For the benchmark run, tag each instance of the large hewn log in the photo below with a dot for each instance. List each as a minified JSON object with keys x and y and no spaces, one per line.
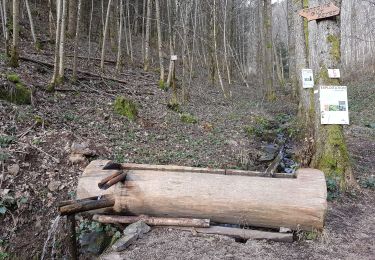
{"x":153,"y":221}
{"x":295,"y":203}
{"x":244,"y":234}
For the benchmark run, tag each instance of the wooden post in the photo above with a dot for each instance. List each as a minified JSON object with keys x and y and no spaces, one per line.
{"x":72,"y":244}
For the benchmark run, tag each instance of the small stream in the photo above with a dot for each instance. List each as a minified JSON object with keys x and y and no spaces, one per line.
{"x":287,"y":164}
{"x":51,"y":234}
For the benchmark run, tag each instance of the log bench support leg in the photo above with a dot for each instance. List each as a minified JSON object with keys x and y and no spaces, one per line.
{"x":72,"y":244}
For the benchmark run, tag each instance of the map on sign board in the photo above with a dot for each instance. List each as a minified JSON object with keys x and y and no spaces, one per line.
{"x":334,"y":105}
{"x":334,"y":73}
{"x":307,"y":78}
{"x":320,"y":12}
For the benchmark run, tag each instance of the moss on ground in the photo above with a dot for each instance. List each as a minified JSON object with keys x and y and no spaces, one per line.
{"x":13,"y":77}
{"x":16,"y":93}
{"x":126,"y":107}
{"x":188,"y":118}
{"x":162,"y":85}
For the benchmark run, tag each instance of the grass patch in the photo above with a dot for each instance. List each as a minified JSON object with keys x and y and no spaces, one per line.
{"x":259,"y":128}
{"x":13,"y":77}
{"x":126,"y":107}
{"x":188,"y":118}
{"x":6,"y":140}
{"x":333,"y":188}
{"x":174,"y":106}
{"x":162,"y":85}
{"x":368,"y":183}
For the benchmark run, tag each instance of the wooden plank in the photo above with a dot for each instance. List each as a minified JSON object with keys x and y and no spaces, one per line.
{"x":244,"y":234}
{"x":320,"y":12}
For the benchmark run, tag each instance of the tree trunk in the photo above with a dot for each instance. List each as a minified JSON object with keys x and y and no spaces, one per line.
{"x":72,"y":18}
{"x":105,"y":35}
{"x":170,"y":33}
{"x":136,"y":18}
{"x":31,"y":24}
{"x":331,"y":153}
{"x":57,"y":44}
{"x":77,"y":31}
{"x":268,"y":61}
{"x":147,"y":36}
{"x":14,"y":52}
{"x":129,"y":31}
{"x":119,"y":45}
{"x":292,"y":12}
{"x":225,"y":42}
{"x":90,"y":29}
{"x":62,"y":41}
{"x":3,"y":7}
{"x":306,"y":96}
{"x":215,"y":50}
{"x":50,"y":19}
{"x":160,"y":43}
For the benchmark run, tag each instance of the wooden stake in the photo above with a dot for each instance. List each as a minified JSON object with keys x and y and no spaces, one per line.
{"x":72,"y":244}
{"x":153,"y":221}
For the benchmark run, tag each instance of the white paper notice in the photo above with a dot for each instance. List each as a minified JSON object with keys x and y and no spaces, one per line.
{"x":307,"y":78}
{"x":174,"y":57}
{"x":334,"y":73}
{"x":334,"y":105}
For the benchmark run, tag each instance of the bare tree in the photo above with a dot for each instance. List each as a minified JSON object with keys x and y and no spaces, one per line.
{"x":72,"y":18}
{"x":160,"y":44}
{"x":77,"y":31}
{"x":62,"y":41}
{"x":90,"y":29}
{"x":147,"y":36}
{"x":331,"y":153}
{"x":55,"y":77}
{"x":14,"y":52}
{"x":268,"y":61}
{"x":3,"y":8}
{"x":31,"y":23}
{"x":105,"y":35}
{"x":119,"y":46}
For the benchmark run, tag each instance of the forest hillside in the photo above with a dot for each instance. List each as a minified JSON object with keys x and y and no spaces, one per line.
{"x":222,"y":86}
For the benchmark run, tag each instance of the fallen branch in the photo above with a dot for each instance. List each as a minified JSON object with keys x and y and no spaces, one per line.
{"x":40,"y":150}
{"x":153,"y":221}
{"x":50,"y":65}
{"x":244,"y":234}
{"x":71,"y":56}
